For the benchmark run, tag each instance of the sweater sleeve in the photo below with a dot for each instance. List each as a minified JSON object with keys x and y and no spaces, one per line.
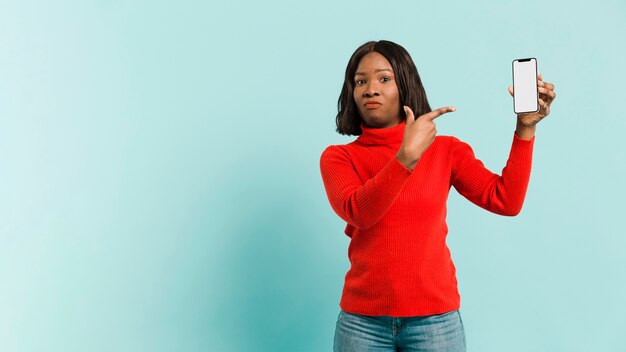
{"x":360,"y":204}
{"x":503,"y":195}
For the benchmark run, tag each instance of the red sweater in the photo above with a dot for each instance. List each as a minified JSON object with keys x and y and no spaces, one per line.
{"x":396,"y":218}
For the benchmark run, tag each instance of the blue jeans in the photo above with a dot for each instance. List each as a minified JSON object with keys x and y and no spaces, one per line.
{"x":441,"y":332}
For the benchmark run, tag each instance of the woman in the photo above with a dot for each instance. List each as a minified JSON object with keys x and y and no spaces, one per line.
{"x":391,"y":185}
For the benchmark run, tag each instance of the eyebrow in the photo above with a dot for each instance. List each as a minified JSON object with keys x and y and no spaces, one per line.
{"x":377,"y":70}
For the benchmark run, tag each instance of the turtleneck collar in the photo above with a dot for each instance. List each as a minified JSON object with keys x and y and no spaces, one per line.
{"x":382,"y":136}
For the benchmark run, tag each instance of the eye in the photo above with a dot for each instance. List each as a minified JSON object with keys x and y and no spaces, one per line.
{"x":359,"y":82}
{"x":386,"y":79}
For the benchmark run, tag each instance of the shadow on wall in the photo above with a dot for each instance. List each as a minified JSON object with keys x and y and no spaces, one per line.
{"x":272,"y":276}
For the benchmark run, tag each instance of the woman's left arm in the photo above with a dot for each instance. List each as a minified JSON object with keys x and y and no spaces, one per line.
{"x":503,"y":194}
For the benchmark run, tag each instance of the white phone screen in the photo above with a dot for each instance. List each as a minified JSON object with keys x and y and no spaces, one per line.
{"x":525,"y":94}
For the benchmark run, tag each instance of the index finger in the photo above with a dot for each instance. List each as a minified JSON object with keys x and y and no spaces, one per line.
{"x":438,"y":112}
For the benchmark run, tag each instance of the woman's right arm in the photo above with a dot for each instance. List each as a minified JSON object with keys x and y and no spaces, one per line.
{"x":361,"y":205}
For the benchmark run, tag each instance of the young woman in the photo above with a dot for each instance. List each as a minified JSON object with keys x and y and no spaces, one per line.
{"x":390,"y":185}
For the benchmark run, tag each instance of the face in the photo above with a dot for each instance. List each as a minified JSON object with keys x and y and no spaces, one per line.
{"x":376,"y":92}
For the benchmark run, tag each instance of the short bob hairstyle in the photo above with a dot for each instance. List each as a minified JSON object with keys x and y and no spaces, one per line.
{"x":410,"y":86}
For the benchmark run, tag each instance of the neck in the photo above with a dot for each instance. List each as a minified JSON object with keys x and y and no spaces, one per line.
{"x":382,"y":135}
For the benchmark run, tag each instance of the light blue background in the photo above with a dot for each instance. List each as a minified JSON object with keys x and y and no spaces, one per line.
{"x":160,"y":186}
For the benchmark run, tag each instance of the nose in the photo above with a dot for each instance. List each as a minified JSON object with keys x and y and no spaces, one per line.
{"x":371,"y":90}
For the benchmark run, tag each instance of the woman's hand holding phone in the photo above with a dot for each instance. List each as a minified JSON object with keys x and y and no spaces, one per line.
{"x":546,"y":96}
{"x":526,"y":122}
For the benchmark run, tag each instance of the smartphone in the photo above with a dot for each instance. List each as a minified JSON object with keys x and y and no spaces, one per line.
{"x":525,"y":90}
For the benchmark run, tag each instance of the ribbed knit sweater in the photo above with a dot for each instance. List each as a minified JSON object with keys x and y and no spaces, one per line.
{"x":400,"y":264}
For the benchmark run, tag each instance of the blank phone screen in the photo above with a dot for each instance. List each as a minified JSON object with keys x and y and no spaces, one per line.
{"x":525,"y":85}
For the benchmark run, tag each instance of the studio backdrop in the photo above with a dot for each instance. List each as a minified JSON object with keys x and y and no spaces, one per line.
{"x":160,"y":183}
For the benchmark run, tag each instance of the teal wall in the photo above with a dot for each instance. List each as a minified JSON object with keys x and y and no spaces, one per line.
{"x":160,"y":186}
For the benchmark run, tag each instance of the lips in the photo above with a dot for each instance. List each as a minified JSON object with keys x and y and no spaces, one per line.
{"x":372,"y":105}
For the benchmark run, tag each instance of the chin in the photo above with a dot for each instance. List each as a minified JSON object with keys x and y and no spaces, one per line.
{"x":377,"y":119}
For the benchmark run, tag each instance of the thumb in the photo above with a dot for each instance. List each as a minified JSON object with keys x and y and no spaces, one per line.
{"x":511,"y":90}
{"x":410,"y":118}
